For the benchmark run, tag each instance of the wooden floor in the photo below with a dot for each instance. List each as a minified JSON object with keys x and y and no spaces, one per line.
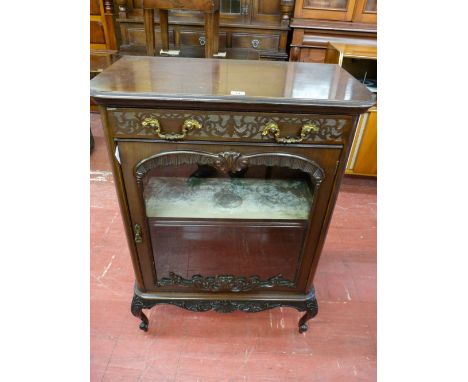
{"x":185,"y":346}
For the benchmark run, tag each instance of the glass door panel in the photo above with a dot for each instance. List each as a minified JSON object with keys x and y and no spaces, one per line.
{"x":233,"y":10}
{"x":219,"y":228}
{"x":325,"y":9}
{"x":220,"y":198}
{"x":230,"y":6}
{"x":366,"y":11}
{"x":327,"y":4}
{"x":371,"y":6}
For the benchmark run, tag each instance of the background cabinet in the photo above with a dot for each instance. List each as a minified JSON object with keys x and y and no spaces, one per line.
{"x":102,"y":35}
{"x":361,"y":62}
{"x":103,"y":42}
{"x":251,"y":25}
{"x":363,"y":157}
{"x":325,"y":9}
{"x":366,"y":11}
{"x":340,"y":10}
{"x":318,"y":22}
{"x":350,"y":26}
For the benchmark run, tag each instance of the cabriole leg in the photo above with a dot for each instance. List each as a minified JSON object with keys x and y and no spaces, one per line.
{"x":311,"y":312}
{"x":136,"y":308}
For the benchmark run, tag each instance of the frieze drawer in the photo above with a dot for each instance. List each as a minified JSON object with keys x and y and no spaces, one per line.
{"x":197,"y":38}
{"x":190,"y":125}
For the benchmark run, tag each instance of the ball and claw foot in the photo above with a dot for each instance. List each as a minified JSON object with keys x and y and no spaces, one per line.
{"x":144,"y":326}
{"x":137,"y":305}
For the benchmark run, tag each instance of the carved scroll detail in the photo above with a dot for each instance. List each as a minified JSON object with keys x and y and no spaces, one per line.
{"x":230,"y":161}
{"x":229,"y":283}
{"x":237,"y":126}
{"x":227,"y":306}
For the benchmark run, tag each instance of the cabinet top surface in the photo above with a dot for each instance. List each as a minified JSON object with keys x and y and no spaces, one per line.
{"x":229,"y":81}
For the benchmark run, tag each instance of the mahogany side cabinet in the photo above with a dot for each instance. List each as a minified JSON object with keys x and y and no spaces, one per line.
{"x":227,"y":173}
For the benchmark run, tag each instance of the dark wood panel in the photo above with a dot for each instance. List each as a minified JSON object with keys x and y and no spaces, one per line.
{"x":100,"y":60}
{"x":316,"y":55}
{"x":256,"y":41}
{"x":136,"y":36}
{"x":197,"y":37}
{"x":266,"y":11}
{"x":197,"y":5}
{"x":271,"y":7}
{"x":95,"y":8}
{"x":257,"y":17}
{"x":247,"y":127}
{"x":97,"y":35}
{"x":133,"y":37}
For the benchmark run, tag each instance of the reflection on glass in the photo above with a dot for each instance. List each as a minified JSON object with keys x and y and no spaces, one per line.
{"x":371,"y":6}
{"x":251,"y":222}
{"x":326,"y":4}
{"x":228,"y":198}
{"x":230,"y":6}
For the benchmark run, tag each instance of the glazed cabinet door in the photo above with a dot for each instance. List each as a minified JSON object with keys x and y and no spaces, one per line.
{"x":226,"y":218}
{"x":233,"y":10}
{"x":365,"y":11}
{"x":341,"y":10}
{"x":230,"y":11}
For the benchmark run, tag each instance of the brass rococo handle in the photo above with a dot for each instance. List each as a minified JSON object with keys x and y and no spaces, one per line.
{"x":189,"y":124}
{"x":138,"y":234}
{"x":272,"y":128}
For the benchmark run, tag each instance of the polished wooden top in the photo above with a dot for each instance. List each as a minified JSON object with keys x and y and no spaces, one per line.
{"x":357,"y":50}
{"x":229,"y":81}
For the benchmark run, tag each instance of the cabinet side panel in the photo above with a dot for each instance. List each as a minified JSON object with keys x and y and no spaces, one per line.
{"x":332,"y":201}
{"x":122,"y":197}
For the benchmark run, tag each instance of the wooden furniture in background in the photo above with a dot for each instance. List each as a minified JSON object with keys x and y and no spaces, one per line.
{"x":227,"y":173}
{"x":343,"y":23}
{"x":363,"y":156}
{"x":102,"y":32}
{"x":339,"y":10}
{"x":210,"y":9}
{"x":318,"y":22}
{"x":252,"y":26}
{"x":103,"y":44}
{"x":361,"y":62}
{"x":365,"y":11}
